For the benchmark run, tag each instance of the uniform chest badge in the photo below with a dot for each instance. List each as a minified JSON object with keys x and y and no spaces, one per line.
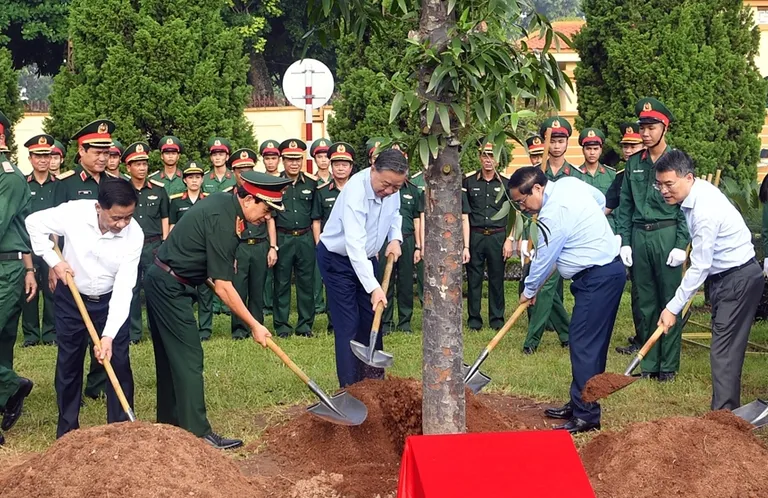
{"x":638,"y":171}
{"x":33,"y":192}
{"x":496,"y":189}
{"x":330,"y":199}
{"x":183,"y":209}
{"x":152,"y":197}
{"x":306,"y":191}
{"x":84,"y":192}
{"x":407,"y":196}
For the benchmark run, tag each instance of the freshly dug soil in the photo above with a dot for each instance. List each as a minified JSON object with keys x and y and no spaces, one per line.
{"x":604,"y":384}
{"x":686,"y":457}
{"x":368,"y":455}
{"x":124,"y":460}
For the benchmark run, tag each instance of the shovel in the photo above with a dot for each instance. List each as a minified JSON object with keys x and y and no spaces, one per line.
{"x":756,"y":413}
{"x":368,"y":354}
{"x":474,"y":379}
{"x":96,"y":341}
{"x":342,"y":408}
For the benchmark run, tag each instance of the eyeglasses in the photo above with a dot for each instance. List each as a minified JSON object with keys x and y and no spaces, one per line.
{"x":665,"y":186}
{"x":520,"y":202}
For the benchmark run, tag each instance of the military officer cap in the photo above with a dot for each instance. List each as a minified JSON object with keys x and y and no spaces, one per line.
{"x":630,"y":133}
{"x":218,"y":144}
{"x":341,"y":151}
{"x":401,"y":146}
{"x":372,"y":144}
{"x":591,"y":136}
{"x":40,"y":144}
{"x":650,"y":110}
{"x":269,"y":148}
{"x":137,"y":151}
{"x":293,"y":148}
{"x":116,"y":149}
{"x":192,"y":169}
{"x":169,"y":143}
{"x":560,"y":127}
{"x":486,"y":147}
{"x":96,"y":134}
{"x":535,"y":145}
{"x":5,"y":128}
{"x":242,"y":158}
{"x":266,"y":187}
{"x":58,"y":148}
{"x":319,"y":146}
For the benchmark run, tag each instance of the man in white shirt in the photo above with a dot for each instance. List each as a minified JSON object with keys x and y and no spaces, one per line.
{"x":722,"y":253}
{"x":102,"y":247}
{"x":366,"y":214}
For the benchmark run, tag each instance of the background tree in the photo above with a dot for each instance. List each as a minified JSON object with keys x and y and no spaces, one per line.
{"x":36,"y":32}
{"x":9,"y":95}
{"x":558,"y":9}
{"x":154,"y":67}
{"x":697,"y":57}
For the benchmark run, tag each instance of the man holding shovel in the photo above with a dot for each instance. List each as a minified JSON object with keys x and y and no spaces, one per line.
{"x":723,"y":255}
{"x":582,"y":246}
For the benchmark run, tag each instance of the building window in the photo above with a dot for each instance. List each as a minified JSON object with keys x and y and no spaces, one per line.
{"x":762,"y":15}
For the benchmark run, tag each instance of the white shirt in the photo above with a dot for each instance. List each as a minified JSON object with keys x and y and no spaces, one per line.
{"x":720,"y":239}
{"x":359,"y":225}
{"x":102,"y":263}
{"x":579,"y":235}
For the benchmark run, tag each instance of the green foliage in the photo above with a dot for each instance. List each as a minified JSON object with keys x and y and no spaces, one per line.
{"x":155,"y":68}
{"x":696,"y":57}
{"x":745,"y":197}
{"x":10,"y":104}
{"x":558,"y":9}
{"x":35,"y":32}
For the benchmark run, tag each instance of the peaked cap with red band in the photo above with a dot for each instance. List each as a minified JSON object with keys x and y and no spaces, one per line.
{"x":169,"y":143}
{"x":137,"y":151}
{"x":40,"y":144}
{"x":560,"y":127}
{"x":269,"y":148}
{"x":218,"y":144}
{"x":319,"y":146}
{"x":242,"y":158}
{"x":535,"y":145}
{"x":5,"y":129}
{"x":293,"y":148}
{"x":265,"y":187}
{"x":116,"y":149}
{"x":58,"y":148}
{"x":341,"y":151}
{"x":96,"y":134}
{"x":630,"y":133}
{"x":591,"y":136}
{"x":650,"y":110}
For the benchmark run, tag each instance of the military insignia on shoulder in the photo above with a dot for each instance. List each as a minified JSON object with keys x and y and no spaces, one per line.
{"x":66,"y":174}
{"x":239,"y":226}
{"x":176,"y":196}
{"x":470,"y":174}
{"x":153,"y":174}
{"x":417,"y":174}
{"x":155,"y":182}
{"x":228,"y":189}
{"x":311,"y":177}
{"x":7,"y":167}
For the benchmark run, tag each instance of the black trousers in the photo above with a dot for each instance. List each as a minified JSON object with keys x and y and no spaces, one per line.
{"x":72,"y":337}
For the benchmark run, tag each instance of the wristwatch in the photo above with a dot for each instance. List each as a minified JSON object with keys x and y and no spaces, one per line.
{"x":277,"y":249}
{"x":30,"y":270}
{"x":417,"y":248}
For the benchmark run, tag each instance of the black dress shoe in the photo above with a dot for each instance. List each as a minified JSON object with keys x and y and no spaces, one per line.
{"x":667,"y":376}
{"x":238,"y":338}
{"x":565,"y":412}
{"x":564,"y":344}
{"x":2,"y":439}
{"x":527,"y":350}
{"x":50,"y":343}
{"x":29,"y":344}
{"x":576,"y":425}
{"x":649,"y":375}
{"x":304,"y":334}
{"x":15,"y":404}
{"x":203,"y":339}
{"x":630,"y":350}
{"x":222,"y":443}
{"x":135,"y":341}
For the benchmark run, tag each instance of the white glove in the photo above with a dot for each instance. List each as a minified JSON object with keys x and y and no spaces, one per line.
{"x":765,"y":266}
{"x":676,"y":258}
{"x":626,"y":255}
{"x":524,"y":251}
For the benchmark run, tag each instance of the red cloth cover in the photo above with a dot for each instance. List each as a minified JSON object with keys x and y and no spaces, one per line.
{"x":535,"y":464}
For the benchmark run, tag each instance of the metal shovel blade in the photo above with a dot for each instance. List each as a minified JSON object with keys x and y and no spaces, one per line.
{"x":342,"y":408}
{"x":369,"y":355}
{"x":477,"y":381}
{"x":756,"y":412}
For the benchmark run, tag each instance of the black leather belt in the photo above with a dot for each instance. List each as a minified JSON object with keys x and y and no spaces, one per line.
{"x":153,"y":238}
{"x":167,"y":269}
{"x":583,"y":272}
{"x":487,"y":231}
{"x":254,"y":241}
{"x":97,"y":299}
{"x":11,"y":256}
{"x":295,"y":232}
{"x":649,"y":227}
{"x":719,"y":276}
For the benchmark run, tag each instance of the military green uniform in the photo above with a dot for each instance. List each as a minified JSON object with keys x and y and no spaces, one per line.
{"x":15,"y":206}
{"x":601,"y":180}
{"x":411,"y":208}
{"x":42,"y":198}
{"x":269,"y":148}
{"x":296,"y":253}
{"x":320,"y":146}
{"x":486,"y":240}
{"x":172,"y":186}
{"x":420,"y":183}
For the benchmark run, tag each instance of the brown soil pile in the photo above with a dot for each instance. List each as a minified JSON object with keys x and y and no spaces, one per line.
{"x":368,"y":455}
{"x":600,"y":386}
{"x":127,"y":460}
{"x":685,"y":457}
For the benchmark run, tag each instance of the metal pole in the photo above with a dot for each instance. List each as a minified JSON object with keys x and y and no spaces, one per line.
{"x":308,"y":111}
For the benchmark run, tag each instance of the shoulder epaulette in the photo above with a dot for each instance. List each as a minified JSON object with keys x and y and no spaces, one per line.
{"x":417,"y":174}
{"x":66,"y":174}
{"x":311,"y":177}
{"x":463,"y":189}
{"x":620,"y":172}
{"x":470,"y":174}
{"x":228,"y":189}
{"x":176,"y":196}
{"x":609,"y":167}
{"x":206,"y":172}
{"x":155,"y":182}
{"x":8,"y":167}
{"x":155,"y":173}
{"x":318,"y":187}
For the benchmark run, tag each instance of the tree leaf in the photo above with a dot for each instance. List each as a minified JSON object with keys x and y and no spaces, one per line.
{"x":503,"y":211}
{"x":433,"y":145}
{"x":430,"y":112}
{"x":403,"y":7}
{"x":445,"y":120}
{"x":451,"y":5}
{"x":397,"y":103}
{"x":424,"y":152}
{"x":459,"y":112}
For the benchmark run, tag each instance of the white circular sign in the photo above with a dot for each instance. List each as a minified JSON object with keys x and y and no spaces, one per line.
{"x":304,"y":74}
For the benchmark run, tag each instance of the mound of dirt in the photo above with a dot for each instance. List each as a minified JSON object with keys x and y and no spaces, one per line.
{"x":684,"y":457}
{"x":600,"y":386}
{"x":368,"y":455}
{"x":125,"y":460}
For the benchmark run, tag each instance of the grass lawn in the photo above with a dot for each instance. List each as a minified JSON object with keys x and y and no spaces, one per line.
{"x":245,"y":383}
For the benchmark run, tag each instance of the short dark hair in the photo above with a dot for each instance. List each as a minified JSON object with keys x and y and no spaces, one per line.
{"x":116,"y":191}
{"x":677,"y":161}
{"x":392,"y":160}
{"x":764,"y":190}
{"x":525,"y":178}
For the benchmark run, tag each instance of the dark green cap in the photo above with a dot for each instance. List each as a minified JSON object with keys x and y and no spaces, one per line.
{"x":265,"y":187}
{"x":137,"y":151}
{"x":242,"y":158}
{"x":630,"y":133}
{"x":293,"y":148}
{"x":116,"y":149}
{"x":40,"y":144}
{"x":650,"y":110}
{"x":169,"y":143}
{"x":560,"y":127}
{"x":218,"y":144}
{"x":535,"y":145}
{"x":96,"y":134}
{"x":5,"y":130}
{"x":58,"y":148}
{"x":269,"y":148}
{"x":192,"y":168}
{"x":374,"y":143}
{"x":341,"y":151}
{"x":591,"y":136}
{"x":319,"y":146}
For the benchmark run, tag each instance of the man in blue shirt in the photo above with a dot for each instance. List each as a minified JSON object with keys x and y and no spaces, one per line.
{"x":366,"y":214}
{"x":581,"y":244}
{"x":722,"y":254}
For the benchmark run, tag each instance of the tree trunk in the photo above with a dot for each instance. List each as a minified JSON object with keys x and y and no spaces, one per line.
{"x":258,"y":78}
{"x":443,"y":399}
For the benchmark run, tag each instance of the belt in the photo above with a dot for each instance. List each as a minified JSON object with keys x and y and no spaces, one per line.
{"x":97,"y":299}
{"x":295,"y":232}
{"x":251,"y":242}
{"x":719,"y":276}
{"x":649,"y":227}
{"x":167,"y":269}
{"x":11,"y":256}
{"x":487,"y":231}
{"x":153,"y":238}
{"x":583,"y":272}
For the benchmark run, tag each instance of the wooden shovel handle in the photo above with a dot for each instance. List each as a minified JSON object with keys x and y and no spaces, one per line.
{"x":512,"y":319}
{"x":650,"y":342}
{"x":288,"y":362}
{"x":384,"y":286}
{"x":94,"y":336}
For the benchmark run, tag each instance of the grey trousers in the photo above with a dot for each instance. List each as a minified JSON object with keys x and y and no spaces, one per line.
{"x":734,"y":299}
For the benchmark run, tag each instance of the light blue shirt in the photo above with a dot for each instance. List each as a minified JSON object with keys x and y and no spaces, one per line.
{"x":360,"y":223}
{"x":579,"y":234}
{"x":719,"y":239}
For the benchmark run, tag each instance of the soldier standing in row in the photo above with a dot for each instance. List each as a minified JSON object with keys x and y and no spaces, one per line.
{"x":295,"y":244}
{"x":535,"y":149}
{"x":171,"y":176}
{"x":180,"y":204}
{"x":151,"y":214}
{"x":598,"y":175}
{"x":319,"y":152}
{"x":41,"y":185}
{"x":113,"y":162}
{"x":57,"y":157}
{"x":270,"y":156}
{"x":419,"y":182}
